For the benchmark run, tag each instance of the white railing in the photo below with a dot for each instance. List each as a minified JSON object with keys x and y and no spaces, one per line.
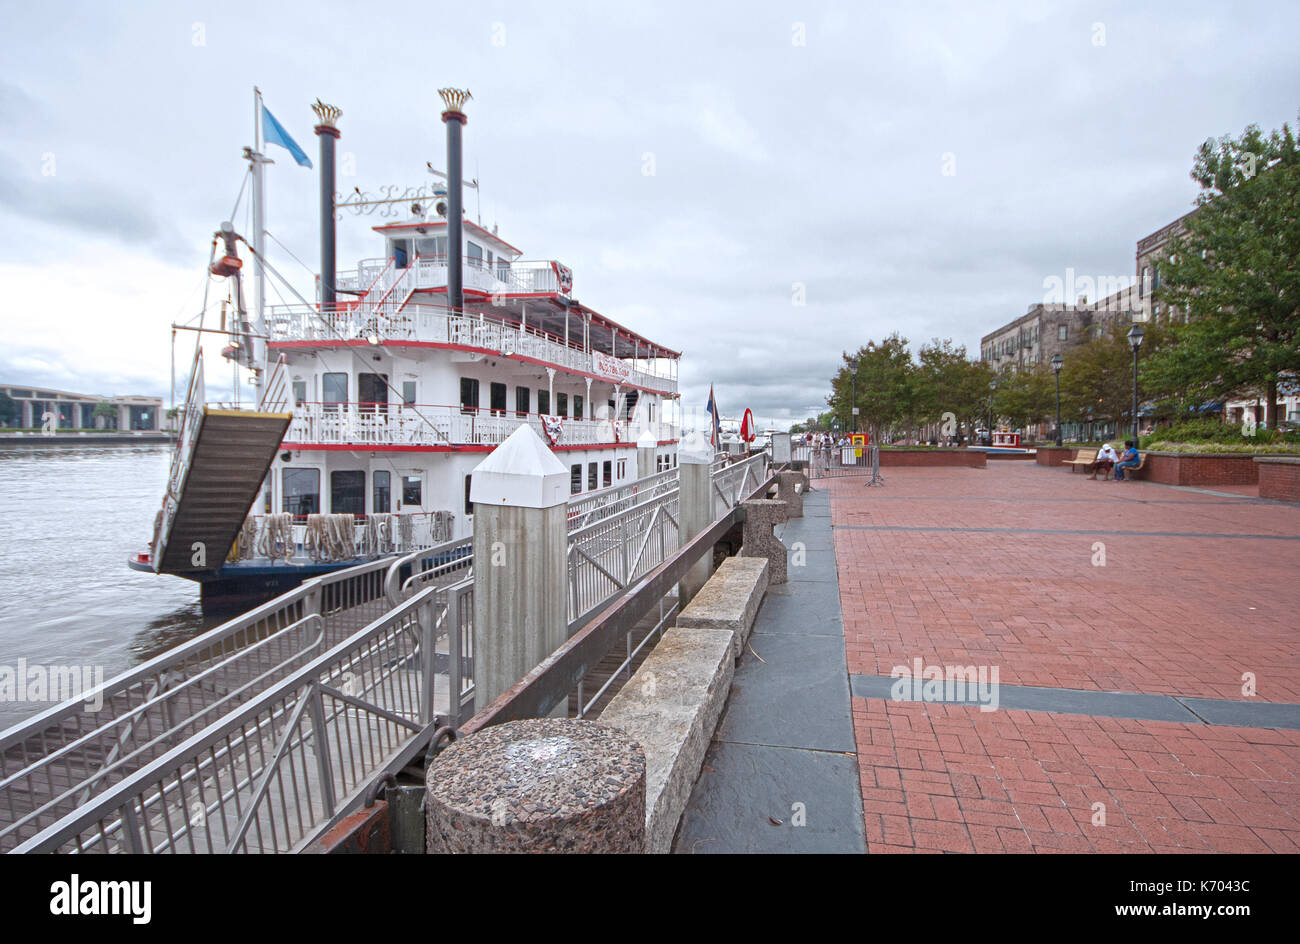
{"x":262,"y":538}
{"x":181,"y":455}
{"x":406,"y":425}
{"x":394,"y":321}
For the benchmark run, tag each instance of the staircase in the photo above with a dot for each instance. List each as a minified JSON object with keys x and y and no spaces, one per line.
{"x":221,"y":460}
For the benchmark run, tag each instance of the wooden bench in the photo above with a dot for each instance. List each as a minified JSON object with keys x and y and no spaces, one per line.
{"x":1142,"y":462}
{"x":1082,"y":459}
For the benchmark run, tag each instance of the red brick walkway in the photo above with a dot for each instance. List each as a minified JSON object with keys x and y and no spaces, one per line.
{"x":1176,"y":615}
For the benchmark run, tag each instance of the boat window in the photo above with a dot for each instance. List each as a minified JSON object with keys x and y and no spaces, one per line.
{"x":503,"y":270}
{"x":575,"y":479}
{"x":497,"y":398}
{"x":629,"y":403}
{"x":408,"y":391}
{"x":468,"y":394}
{"x":609,"y":473}
{"x":412,"y":490}
{"x":523,"y":401}
{"x":544,"y":401}
{"x":592,"y":481}
{"x":299,"y":392}
{"x":348,"y":493}
{"x":334,"y":390}
{"x":434,"y":247}
{"x":562,"y":404}
{"x":382,"y":500}
{"x":469,"y":505}
{"x":372,"y":392}
{"x":577,"y":406}
{"x":475,"y":255}
{"x":489,"y":260}
{"x":401,"y":253}
{"x":301,"y":488}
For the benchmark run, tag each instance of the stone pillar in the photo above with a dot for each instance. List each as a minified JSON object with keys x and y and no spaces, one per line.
{"x":545,"y":785}
{"x":761,"y":516}
{"x":519,"y":493}
{"x":645,"y":454}
{"x":785,"y":491}
{"x":694,"y":457}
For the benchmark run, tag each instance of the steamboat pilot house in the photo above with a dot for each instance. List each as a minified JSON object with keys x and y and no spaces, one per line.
{"x":396,"y":398}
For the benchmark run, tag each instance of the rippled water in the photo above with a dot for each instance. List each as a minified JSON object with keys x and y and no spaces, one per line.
{"x":73,"y":515}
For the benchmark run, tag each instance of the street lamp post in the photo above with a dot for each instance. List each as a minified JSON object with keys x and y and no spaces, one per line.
{"x":993,"y":386}
{"x":853,"y":407}
{"x":1135,"y":342}
{"x":1057,"y":363}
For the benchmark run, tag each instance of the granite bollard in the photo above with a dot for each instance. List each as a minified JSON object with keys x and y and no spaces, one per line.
{"x":758,"y":539}
{"x":786,"y":492}
{"x":542,"y":785}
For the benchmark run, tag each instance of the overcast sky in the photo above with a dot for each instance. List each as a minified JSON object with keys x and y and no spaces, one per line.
{"x":795,"y":147}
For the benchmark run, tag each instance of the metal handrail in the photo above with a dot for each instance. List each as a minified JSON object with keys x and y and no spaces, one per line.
{"x":228,"y":756}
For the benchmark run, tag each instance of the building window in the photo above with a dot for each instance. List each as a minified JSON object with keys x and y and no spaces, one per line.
{"x":1062,"y":332}
{"x":544,"y":402}
{"x":408,"y":392}
{"x":468,"y":394}
{"x":575,"y":479}
{"x":497,"y":398}
{"x":523,"y":401}
{"x":577,"y":406}
{"x":381,"y":500}
{"x":348,"y":493}
{"x":562,"y":404}
{"x":301,"y":491}
{"x":469,"y":505}
{"x":333,"y":390}
{"x":592,"y":480}
{"x":412,"y":490}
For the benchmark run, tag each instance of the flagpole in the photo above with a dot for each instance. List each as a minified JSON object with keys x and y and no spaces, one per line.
{"x":259,"y":232}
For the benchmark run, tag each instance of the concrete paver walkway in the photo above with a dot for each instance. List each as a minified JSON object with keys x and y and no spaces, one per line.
{"x":1070,"y":587}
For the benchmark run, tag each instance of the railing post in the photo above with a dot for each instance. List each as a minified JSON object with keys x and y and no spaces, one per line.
{"x":645,"y":454}
{"x":694,"y":462}
{"x":520,"y":494}
{"x":428,"y":642}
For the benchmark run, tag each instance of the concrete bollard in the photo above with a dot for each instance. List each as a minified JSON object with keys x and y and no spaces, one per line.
{"x":786,"y":492}
{"x":520,"y":494}
{"x":545,"y":785}
{"x":761,"y":516}
{"x":694,"y":459}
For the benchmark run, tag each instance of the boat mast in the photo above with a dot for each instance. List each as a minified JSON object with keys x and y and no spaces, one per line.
{"x":257,"y":163}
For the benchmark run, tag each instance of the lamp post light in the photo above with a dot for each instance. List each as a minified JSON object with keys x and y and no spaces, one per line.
{"x":993,"y":386}
{"x":1057,"y":363}
{"x":1135,"y":342}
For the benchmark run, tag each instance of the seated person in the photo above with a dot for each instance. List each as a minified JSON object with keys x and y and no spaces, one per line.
{"x":1130,"y":460}
{"x":1106,"y":458}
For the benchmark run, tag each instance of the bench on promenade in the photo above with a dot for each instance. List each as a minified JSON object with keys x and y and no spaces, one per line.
{"x":1142,"y":464}
{"x":1082,"y":459}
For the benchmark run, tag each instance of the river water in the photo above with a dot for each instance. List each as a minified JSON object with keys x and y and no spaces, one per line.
{"x":73,"y":515}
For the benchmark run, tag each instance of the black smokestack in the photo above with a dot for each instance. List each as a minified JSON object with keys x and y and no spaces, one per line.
{"x":454,"y":118}
{"x":328,"y":133}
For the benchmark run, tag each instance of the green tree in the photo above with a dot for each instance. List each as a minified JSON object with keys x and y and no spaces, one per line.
{"x":884,"y":388}
{"x":1235,"y":275}
{"x":1027,"y":396}
{"x":106,"y":411}
{"x":948,"y":381}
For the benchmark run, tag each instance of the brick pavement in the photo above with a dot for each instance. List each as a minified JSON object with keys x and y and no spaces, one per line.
{"x":995,"y":567}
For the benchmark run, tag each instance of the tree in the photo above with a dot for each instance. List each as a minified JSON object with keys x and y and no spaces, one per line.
{"x":1235,"y":275}
{"x":885,"y":394}
{"x":948,"y":381}
{"x":107,"y":412}
{"x":1097,"y":380}
{"x":1026,"y":396}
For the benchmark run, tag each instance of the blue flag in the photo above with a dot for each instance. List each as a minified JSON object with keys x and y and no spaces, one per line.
{"x":274,"y":133}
